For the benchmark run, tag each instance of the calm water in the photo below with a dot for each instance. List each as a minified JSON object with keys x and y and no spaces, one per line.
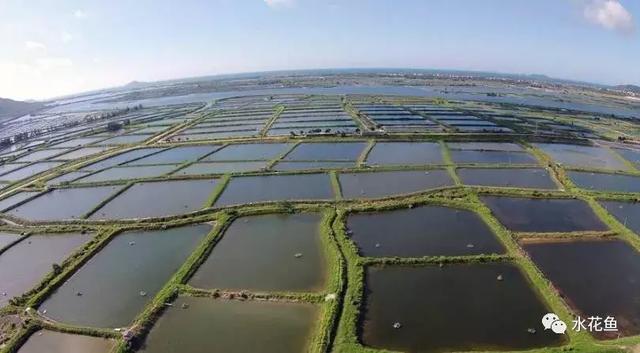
{"x":627,"y":213}
{"x":485,"y":146}
{"x":535,"y":178}
{"x":123,"y":173}
{"x":424,"y":231}
{"x":632,"y":156}
{"x":394,"y":153}
{"x":383,"y":184}
{"x":44,"y":341}
{"x":221,"y":168}
{"x":605,"y":182}
{"x":81,"y":153}
{"x":276,"y":188}
{"x":66,"y":178}
{"x":346,"y":151}
{"x":40,"y":155}
{"x":121,"y":158}
{"x":125,"y":139}
{"x":30,"y":171}
{"x":111,"y":282}
{"x":7,"y":238}
{"x":271,"y":242}
{"x":582,"y":156}
{"x":60,"y":204}
{"x":250,"y":152}
{"x":25,"y":264}
{"x":492,"y":157}
{"x":286,"y":166}
{"x":177,"y":155}
{"x":158,"y":199}
{"x":15,"y":198}
{"x":544,"y":215}
{"x":219,"y":326}
{"x":599,"y":278}
{"x":458,"y":307}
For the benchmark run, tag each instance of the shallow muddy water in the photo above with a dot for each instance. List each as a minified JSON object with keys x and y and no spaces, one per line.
{"x":220,"y":326}
{"x":272,"y":242}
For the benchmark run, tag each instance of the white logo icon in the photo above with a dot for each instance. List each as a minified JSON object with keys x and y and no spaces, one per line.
{"x":559,"y":327}
{"x":553,"y":322}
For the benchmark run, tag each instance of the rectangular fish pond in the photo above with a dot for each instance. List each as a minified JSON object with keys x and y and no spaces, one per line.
{"x":344,"y":151}
{"x":116,"y":284}
{"x":532,"y":178}
{"x":250,"y":189}
{"x":44,"y":341}
{"x":596,"y":278}
{"x":196,"y":325}
{"x":26,"y":263}
{"x":627,"y":213}
{"x":544,"y":215}
{"x":61,"y":204}
{"x":583,"y":156}
{"x":605,"y":182}
{"x":459,"y":307}
{"x":424,"y":231}
{"x":158,"y":199}
{"x":249,"y":152}
{"x":391,"y":183}
{"x":286,"y":254}
{"x":491,"y":157}
{"x":404,"y":153}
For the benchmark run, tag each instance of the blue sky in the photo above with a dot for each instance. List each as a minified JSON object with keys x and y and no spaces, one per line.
{"x":50,"y":48}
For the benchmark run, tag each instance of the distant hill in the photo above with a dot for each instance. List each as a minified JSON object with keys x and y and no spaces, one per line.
{"x":10,"y":109}
{"x":627,"y":88}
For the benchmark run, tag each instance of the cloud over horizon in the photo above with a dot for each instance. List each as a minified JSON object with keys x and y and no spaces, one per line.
{"x":279,"y":3}
{"x":609,"y":14}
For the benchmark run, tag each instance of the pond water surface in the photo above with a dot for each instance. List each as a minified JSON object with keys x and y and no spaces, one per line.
{"x":44,"y":341}
{"x":115,"y":285}
{"x":389,"y":183}
{"x":441,"y":309}
{"x":272,"y":243}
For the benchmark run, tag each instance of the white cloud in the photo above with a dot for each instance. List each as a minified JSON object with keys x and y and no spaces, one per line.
{"x":609,"y":14}
{"x":35,"y":46}
{"x":52,"y":63}
{"x":66,"y":37}
{"x":80,"y":14}
{"x":279,"y":3}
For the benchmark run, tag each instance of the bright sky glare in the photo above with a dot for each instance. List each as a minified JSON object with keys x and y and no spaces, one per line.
{"x":53,"y":48}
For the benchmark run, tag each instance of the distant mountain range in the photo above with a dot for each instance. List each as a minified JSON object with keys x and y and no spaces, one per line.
{"x":627,"y":88}
{"x":10,"y":109}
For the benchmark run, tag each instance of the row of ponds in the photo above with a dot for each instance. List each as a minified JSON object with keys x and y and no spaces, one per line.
{"x":276,"y":253}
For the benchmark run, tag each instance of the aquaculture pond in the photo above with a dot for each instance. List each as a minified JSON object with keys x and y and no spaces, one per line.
{"x":288,"y":166}
{"x":454,"y":308}
{"x":534,"y":178}
{"x":605,"y":182}
{"x":403,"y":153}
{"x":383,"y":184}
{"x":60,"y":204}
{"x":116,"y":284}
{"x":330,"y":151}
{"x":250,"y":189}
{"x":491,"y":157}
{"x":15,"y":198}
{"x":29,"y":171}
{"x":25,"y":264}
{"x":221,"y":168}
{"x":425,"y":231}
{"x":66,"y":178}
{"x":632,"y":156}
{"x":121,"y":158}
{"x":125,"y":173}
{"x":286,"y":254}
{"x":44,"y":341}
{"x":228,"y":326}
{"x":176,"y":155}
{"x":7,"y":238}
{"x":582,"y":156}
{"x":544,"y":215}
{"x":627,"y":213}
{"x":81,"y":153}
{"x":486,"y":146}
{"x":597,"y":278}
{"x":250,"y":152}
{"x":158,"y":199}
